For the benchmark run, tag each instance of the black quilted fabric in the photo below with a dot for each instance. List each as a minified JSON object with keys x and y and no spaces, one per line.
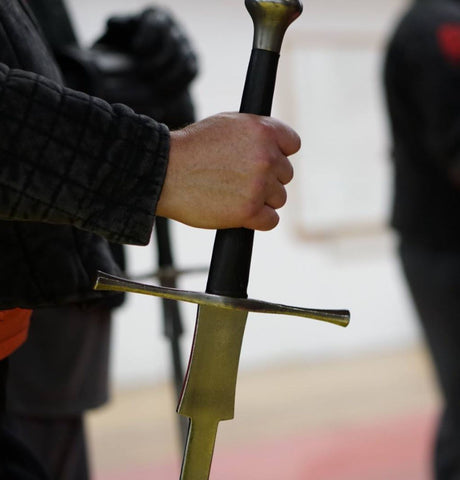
{"x":71,"y":158}
{"x":66,"y":158}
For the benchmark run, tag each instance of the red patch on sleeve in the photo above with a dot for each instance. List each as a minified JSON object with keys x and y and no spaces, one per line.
{"x":449,"y":41}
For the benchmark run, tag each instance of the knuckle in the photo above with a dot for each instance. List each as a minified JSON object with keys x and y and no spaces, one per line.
{"x":262,"y":126}
{"x":265,"y":163}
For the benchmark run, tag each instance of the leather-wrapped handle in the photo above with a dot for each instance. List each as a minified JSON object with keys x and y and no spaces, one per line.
{"x":231,"y":257}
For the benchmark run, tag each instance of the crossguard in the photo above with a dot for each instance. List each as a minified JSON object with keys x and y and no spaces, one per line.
{"x":104,"y":281}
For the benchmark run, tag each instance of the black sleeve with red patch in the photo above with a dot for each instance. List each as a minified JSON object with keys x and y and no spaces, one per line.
{"x":430,"y":40}
{"x":448,"y":38}
{"x":441,"y":89}
{"x":422,"y":87}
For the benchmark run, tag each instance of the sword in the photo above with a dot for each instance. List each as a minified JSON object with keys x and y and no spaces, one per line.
{"x":171,"y":315}
{"x":208,"y":393}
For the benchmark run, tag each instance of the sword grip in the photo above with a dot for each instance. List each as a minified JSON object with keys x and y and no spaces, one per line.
{"x":232,"y":252}
{"x":260,"y":83}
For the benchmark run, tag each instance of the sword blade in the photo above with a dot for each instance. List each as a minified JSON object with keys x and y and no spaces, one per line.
{"x":208,"y":396}
{"x":196,"y":464}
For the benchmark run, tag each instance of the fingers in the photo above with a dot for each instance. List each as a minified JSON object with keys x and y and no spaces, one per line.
{"x":267,"y":219}
{"x":265,"y":216}
{"x":271,"y":170}
{"x":284,"y":170}
{"x":277,"y":197}
{"x":280,"y":173}
{"x":284,"y":142}
{"x":287,"y":139}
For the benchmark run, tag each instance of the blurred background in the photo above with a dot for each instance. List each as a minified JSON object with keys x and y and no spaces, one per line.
{"x":314,"y":401}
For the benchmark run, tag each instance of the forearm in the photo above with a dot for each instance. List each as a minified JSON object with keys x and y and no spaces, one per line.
{"x":68,"y":158}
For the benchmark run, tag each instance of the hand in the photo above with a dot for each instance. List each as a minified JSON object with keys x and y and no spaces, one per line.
{"x":229,"y":171}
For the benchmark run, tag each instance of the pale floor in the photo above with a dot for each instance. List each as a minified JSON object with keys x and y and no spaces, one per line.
{"x":336,"y":402}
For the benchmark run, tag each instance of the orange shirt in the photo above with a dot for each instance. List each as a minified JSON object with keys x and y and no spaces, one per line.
{"x":14,"y":327}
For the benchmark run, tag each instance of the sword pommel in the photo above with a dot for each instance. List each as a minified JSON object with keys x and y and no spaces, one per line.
{"x":271,"y":19}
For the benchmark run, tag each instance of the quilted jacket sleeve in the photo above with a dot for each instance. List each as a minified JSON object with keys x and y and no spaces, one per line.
{"x":69,"y":158}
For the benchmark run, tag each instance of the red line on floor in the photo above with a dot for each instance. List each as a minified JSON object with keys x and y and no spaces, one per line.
{"x":391,"y":449}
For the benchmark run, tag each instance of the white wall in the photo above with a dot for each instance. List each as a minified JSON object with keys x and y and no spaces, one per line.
{"x":329,"y":90}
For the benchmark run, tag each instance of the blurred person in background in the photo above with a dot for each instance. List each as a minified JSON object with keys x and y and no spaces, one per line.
{"x":422,"y":84}
{"x":145,"y":61}
{"x":93,"y":171}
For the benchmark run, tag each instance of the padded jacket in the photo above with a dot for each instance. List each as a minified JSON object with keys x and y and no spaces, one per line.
{"x":66,"y":160}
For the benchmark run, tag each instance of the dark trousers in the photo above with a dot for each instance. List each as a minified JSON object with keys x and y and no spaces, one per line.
{"x":16,"y":460}
{"x":59,"y":443}
{"x":54,"y":379}
{"x":434,"y":280}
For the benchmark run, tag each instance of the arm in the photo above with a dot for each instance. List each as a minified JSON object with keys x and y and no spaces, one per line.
{"x":69,"y":158}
